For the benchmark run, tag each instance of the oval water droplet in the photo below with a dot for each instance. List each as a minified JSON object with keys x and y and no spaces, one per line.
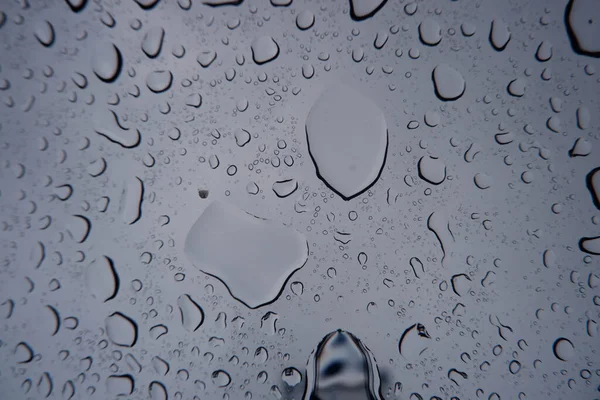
{"x":107,"y":62}
{"x":347,"y":140}
{"x":44,"y":33}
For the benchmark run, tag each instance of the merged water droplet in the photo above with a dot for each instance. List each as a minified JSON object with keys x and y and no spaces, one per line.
{"x":257,"y":257}
{"x":347,"y":140}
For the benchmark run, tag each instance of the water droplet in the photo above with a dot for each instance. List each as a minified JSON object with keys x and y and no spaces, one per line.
{"x":449,"y":84}
{"x":147,"y":4}
{"x":432,"y":170}
{"x":563,"y":349}
{"x":157,"y":391}
{"x":132,"y":196}
{"x":107,"y":62}
{"x":192,"y":315}
{"x":44,"y":33}
{"x":499,"y":34}
{"x":583,"y":26}
{"x":438,"y":224}
{"x":206,"y":57}
{"x":347,"y":140}
{"x":363,"y":9}
{"x":159,"y":81}
{"x":263,"y":247}
{"x":482,"y":181}
{"x":120,"y":385}
{"x":468,"y":29}
{"x":430,"y":32}
{"x":102,"y":279}
{"x":516,"y":87}
{"x":284,"y":188}
{"x":121,"y":329}
{"x":264,"y":49}
{"x":544,"y":51}
{"x":221,"y":378}
{"x":414,"y":341}
{"x":242,"y":137}
{"x":342,"y":367}
{"x":106,"y":123}
{"x":590,"y":245}
{"x":305,"y":20}
{"x":153,"y":41}
{"x":583,"y":117}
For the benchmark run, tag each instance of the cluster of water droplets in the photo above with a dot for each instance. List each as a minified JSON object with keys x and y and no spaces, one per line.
{"x":286,"y":199}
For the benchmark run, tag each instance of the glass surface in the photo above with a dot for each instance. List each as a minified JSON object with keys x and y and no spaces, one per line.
{"x":299,"y":199}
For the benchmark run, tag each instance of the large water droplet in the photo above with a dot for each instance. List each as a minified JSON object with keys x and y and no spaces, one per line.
{"x":105,"y":123}
{"x":342,"y":367}
{"x":253,"y":257}
{"x":347,"y":140}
